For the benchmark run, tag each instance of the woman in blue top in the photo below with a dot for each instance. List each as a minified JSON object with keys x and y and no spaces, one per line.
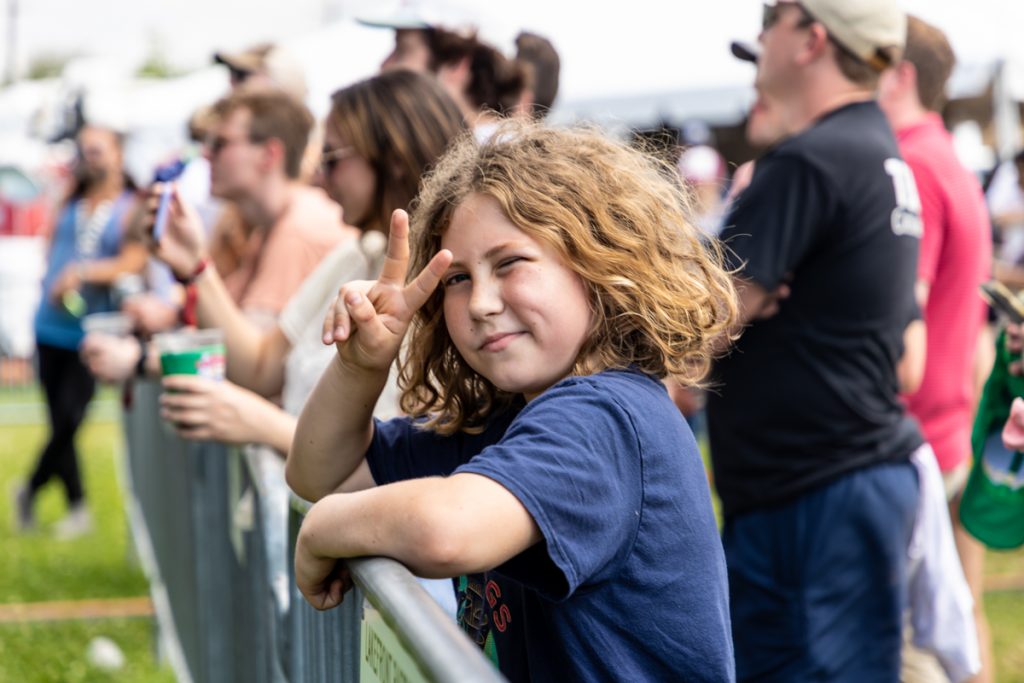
{"x":543,"y":462}
{"x":87,"y":253}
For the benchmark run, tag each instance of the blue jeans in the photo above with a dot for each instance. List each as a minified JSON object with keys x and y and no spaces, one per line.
{"x":817,"y":586}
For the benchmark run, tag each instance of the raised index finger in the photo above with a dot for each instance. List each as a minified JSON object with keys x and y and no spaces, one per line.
{"x":420,"y":289}
{"x":396,"y":262}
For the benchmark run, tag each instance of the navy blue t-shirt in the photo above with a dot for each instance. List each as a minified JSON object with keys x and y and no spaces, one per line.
{"x":629,"y":582}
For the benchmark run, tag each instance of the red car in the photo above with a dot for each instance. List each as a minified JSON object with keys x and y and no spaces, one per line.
{"x":24,"y":207}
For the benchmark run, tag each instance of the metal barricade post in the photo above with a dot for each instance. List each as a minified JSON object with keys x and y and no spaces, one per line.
{"x":404,"y":633}
{"x":216,"y":535}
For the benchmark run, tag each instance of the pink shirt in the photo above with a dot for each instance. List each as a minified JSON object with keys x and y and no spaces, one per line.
{"x":955,"y":258}
{"x":267,"y":278}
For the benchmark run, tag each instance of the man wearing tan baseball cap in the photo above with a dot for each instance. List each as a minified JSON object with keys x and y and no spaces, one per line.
{"x":810,"y":443}
{"x":265,"y":64}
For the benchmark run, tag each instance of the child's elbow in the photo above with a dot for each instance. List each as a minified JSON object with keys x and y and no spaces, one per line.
{"x":438,"y":546}
{"x":299,"y":485}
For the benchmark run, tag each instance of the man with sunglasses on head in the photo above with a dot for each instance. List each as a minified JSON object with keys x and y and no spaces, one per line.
{"x":810,"y":444}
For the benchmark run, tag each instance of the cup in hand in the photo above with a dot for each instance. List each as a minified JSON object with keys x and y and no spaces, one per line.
{"x":192,"y":352}
{"x":114,"y":324}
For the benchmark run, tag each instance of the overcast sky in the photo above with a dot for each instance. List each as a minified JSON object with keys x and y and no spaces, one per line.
{"x":640,"y":45}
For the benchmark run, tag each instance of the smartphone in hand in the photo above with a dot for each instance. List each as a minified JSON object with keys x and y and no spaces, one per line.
{"x":162,"y":210}
{"x":166,"y":175}
{"x":1003,"y":300}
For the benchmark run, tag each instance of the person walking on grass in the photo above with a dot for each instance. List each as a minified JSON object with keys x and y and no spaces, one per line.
{"x":89,"y":249}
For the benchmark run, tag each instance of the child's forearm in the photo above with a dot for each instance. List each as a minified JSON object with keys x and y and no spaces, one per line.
{"x":437,"y":526}
{"x":397,"y":521}
{"x":334,"y":429}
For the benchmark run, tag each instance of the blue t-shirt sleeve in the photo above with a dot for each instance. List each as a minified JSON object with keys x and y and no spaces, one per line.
{"x":402,"y":450}
{"x":572,"y":459}
{"x":775,"y":221}
{"x":399,"y":451}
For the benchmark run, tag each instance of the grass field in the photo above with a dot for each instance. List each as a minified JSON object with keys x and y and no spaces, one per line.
{"x":36,"y":568}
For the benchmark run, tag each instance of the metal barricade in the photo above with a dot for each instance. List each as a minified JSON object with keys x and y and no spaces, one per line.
{"x":215,"y":533}
{"x":404,"y":634}
{"x":196,"y":518}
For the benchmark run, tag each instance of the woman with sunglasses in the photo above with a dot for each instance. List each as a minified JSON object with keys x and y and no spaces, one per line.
{"x":380,"y":136}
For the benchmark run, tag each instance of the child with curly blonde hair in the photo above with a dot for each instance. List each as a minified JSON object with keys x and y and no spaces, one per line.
{"x":558,"y":281}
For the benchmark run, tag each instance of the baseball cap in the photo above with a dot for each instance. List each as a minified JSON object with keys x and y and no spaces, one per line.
{"x":748,"y":52}
{"x":448,"y":15}
{"x":421,"y":14}
{"x":249,"y":60}
{"x":279,"y":65}
{"x":864,"y":27}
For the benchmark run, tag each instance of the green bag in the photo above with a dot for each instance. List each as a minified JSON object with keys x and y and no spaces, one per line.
{"x":992,"y":505}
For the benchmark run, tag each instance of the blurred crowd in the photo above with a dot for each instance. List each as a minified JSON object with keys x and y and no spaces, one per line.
{"x":838,"y":415}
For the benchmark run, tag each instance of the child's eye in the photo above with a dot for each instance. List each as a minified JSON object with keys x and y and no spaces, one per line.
{"x":505,"y":263}
{"x":455,"y":279}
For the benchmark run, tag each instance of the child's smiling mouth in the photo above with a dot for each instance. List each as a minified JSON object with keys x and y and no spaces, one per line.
{"x":499,"y":341}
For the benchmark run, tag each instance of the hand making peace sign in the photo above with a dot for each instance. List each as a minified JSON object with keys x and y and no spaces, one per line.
{"x":368,"y":319}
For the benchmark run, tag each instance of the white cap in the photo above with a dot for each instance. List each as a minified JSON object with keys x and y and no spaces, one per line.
{"x":286,"y":72}
{"x":447,"y":15}
{"x":864,"y":27}
{"x":422,"y":14}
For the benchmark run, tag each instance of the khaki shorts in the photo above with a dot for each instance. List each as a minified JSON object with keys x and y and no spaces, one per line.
{"x":955,"y":480}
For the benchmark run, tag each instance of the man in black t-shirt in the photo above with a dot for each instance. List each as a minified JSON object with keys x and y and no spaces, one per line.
{"x":810,"y":444}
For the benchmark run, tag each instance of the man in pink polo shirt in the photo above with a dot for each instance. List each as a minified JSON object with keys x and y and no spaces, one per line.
{"x":955,"y":258}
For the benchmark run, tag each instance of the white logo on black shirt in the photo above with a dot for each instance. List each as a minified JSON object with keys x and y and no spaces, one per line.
{"x":906,"y":217}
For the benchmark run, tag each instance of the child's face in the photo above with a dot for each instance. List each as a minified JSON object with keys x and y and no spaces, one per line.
{"x":515,"y":312}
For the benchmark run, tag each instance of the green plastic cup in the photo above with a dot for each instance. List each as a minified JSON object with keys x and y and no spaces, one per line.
{"x":192,"y":352}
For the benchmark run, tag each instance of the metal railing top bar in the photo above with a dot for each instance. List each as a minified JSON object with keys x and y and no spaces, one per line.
{"x":442,"y":650}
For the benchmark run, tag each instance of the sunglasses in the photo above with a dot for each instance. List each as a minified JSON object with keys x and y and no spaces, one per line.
{"x":238,"y":76}
{"x":771,"y":14}
{"x":219,"y":143}
{"x":330,"y":158}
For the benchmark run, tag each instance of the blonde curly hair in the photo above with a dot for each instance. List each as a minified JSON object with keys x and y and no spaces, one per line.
{"x":618,"y":218}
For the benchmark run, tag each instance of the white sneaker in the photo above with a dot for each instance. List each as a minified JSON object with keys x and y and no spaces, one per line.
{"x":78,"y":522}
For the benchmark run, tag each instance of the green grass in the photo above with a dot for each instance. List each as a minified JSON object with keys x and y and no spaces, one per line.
{"x":1005,"y":611}
{"x":47,"y":653}
{"x":36,"y":567}
{"x":1005,"y":563}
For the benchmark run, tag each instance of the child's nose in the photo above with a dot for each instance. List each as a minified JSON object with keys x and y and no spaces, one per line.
{"x":486,"y":299}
